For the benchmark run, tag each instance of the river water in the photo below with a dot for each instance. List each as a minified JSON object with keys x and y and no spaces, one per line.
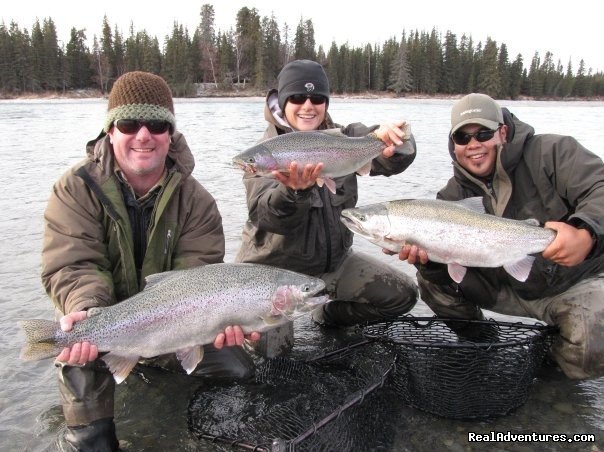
{"x":42,"y":138}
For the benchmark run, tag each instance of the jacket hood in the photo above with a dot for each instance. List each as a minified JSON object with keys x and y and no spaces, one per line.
{"x":521,"y":132}
{"x":180,"y":157}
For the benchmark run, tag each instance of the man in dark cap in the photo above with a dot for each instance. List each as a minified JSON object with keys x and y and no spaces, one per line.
{"x":523,"y":175}
{"x":295,"y":224}
{"x":130,"y":209}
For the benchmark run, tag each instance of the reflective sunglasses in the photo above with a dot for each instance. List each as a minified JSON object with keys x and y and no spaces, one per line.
{"x":132,"y":126}
{"x":299,"y":99}
{"x":463,"y":138}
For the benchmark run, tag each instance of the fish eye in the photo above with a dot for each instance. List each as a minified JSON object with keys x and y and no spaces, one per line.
{"x":306,"y":288}
{"x":251,"y":160}
{"x":363,"y":218}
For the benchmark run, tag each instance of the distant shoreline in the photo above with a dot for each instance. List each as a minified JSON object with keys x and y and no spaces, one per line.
{"x":97,"y":94}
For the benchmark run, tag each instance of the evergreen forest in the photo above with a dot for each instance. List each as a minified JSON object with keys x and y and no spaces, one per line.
{"x":248,"y":57}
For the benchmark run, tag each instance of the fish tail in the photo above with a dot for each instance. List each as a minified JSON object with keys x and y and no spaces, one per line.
{"x":41,"y":339}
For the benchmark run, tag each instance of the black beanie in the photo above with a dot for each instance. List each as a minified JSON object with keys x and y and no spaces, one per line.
{"x":302,"y":77}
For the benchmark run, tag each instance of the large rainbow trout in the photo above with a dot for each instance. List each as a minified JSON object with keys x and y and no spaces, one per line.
{"x":179,"y":312}
{"x":340,"y":155}
{"x":458,"y":234}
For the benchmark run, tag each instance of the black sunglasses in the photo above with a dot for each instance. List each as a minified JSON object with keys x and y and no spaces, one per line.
{"x":463,"y":138}
{"x":132,"y":126}
{"x":299,"y":99}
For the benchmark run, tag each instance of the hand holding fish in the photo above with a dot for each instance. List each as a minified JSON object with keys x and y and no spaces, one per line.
{"x":413,"y":254}
{"x":571,"y":245}
{"x":82,"y":352}
{"x":178,"y":311}
{"x":392,"y":134}
{"x":457,"y":233}
{"x":233,"y":335}
{"x":338,"y":154}
{"x":299,"y":180}
{"x":410,"y":253}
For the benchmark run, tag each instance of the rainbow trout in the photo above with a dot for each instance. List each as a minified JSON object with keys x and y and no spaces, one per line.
{"x":340,"y":155}
{"x":179,"y":312}
{"x":459,"y":234}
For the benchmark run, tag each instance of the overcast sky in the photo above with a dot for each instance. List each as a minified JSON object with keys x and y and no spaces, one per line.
{"x":568,"y":29}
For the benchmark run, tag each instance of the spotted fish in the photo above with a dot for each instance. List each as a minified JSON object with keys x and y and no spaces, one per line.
{"x":179,"y":312}
{"x":340,"y":155}
{"x":459,"y":234}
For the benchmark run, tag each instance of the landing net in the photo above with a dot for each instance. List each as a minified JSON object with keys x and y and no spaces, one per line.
{"x":347,"y":399}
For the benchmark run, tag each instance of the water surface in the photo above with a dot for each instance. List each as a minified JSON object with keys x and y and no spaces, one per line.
{"x":41,"y":139}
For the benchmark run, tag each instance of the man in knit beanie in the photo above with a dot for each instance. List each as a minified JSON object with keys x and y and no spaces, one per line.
{"x":130,"y":209}
{"x":140,"y":95}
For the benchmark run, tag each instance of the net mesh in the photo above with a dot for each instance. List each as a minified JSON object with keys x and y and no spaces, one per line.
{"x":464,"y":369}
{"x":346,"y":399}
{"x":301,"y":405}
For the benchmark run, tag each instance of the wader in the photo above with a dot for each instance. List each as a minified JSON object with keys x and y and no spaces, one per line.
{"x":364,"y":288}
{"x":87,"y":393}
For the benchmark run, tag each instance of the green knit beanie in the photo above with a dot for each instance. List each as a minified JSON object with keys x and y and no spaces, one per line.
{"x":140,"y":95}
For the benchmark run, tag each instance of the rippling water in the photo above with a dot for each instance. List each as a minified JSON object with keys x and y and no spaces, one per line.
{"x":41,"y":139}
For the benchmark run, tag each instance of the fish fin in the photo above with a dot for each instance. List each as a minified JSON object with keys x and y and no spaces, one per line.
{"x":120,"y":365}
{"x":391,"y":245}
{"x":329,"y":183}
{"x":40,"y":337}
{"x":271,"y":319}
{"x":94,"y":311}
{"x":532,"y":222}
{"x":190,"y":357}
{"x":456,"y":272}
{"x":406,"y":148}
{"x":520,"y":270}
{"x":365,"y":169}
{"x":336,"y":132}
{"x":474,"y":203}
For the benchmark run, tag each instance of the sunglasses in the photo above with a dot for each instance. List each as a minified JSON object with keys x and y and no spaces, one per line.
{"x":299,"y":99}
{"x":132,"y":126}
{"x":463,"y":138}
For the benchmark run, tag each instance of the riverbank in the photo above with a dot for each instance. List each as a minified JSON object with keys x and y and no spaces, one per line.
{"x":251,"y":92}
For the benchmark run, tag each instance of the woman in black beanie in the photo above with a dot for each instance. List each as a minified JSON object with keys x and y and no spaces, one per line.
{"x":295,"y":224}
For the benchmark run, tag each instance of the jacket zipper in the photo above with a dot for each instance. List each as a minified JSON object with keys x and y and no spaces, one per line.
{"x":123,"y":253}
{"x":168,"y":240}
{"x":326,"y":226}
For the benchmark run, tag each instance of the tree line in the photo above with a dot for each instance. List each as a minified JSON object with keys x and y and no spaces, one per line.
{"x":251,"y":54}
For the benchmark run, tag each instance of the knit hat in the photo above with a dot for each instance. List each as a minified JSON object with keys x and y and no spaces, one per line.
{"x":476,"y":109}
{"x":140,"y":95}
{"x":301,"y":77}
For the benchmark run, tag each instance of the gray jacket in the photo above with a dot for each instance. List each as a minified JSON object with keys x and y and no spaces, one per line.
{"x":546,"y":177}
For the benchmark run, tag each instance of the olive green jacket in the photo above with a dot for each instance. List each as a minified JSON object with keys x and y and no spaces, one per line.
{"x":88,"y":256}
{"x":302,"y":231}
